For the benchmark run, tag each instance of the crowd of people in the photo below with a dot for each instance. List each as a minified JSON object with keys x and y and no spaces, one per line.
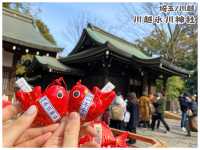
{"x":147,"y":111}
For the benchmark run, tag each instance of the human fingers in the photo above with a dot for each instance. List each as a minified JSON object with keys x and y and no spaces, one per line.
{"x":57,"y":137}
{"x":10,"y":111}
{"x":35,"y":132}
{"x":90,"y":145}
{"x":88,"y":130}
{"x":17,"y":128}
{"x":71,"y":132}
{"x":35,"y":142}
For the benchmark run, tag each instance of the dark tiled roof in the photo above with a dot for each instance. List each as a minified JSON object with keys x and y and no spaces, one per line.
{"x":118,"y":47}
{"x":20,"y":29}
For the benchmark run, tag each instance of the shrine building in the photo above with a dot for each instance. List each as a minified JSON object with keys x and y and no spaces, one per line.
{"x":105,"y":57}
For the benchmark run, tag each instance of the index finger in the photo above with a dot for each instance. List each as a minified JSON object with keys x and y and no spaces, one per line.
{"x":72,"y":128}
{"x":11,"y":134}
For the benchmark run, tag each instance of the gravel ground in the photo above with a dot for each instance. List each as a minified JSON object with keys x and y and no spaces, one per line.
{"x":174,"y":139}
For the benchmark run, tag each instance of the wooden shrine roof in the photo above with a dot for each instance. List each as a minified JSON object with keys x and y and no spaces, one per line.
{"x":21,"y":30}
{"x":117,"y":47}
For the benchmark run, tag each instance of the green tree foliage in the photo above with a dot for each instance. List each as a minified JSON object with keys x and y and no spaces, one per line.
{"x":179,"y":49}
{"x":45,"y":31}
{"x":6,"y":5}
{"x":191,"y":84}
{"x":191,"y":58}
{"x":159,"y":85}
{"x":177,"y":43}
{"x":175,"y":86}
{"x":25,"y":9}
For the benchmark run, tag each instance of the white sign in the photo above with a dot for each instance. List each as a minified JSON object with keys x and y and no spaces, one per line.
{"x":49,"y":109}
{"x":23,"y":85}
{"x":108,"y":87}
{"x":86,"y":104}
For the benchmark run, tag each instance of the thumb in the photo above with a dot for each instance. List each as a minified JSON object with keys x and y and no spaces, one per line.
{"x":12,"y":133}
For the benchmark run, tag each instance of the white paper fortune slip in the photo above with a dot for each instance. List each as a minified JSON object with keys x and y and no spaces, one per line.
{"x":49,"y":109}
{"x":86,"y":104}
{"x":108,"y":87}
{"x":23,"y":85}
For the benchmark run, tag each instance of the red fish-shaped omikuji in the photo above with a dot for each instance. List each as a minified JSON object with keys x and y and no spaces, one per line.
{"x":105,"y":136}
{"x":52,"y":103}
{"x":89,"y":104}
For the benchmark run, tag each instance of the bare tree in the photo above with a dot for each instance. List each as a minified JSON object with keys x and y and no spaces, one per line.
{"x":168,"y":36}
{"x":75,"y":25}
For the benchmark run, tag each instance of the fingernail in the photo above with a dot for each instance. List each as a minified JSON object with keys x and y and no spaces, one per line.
{"x":73,"y":115}
{"x":31,"y":110}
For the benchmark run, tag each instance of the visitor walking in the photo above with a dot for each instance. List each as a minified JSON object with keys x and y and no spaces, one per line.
{"x":145,"y":110}
{"x":133,"y":109}
{"x":191,"y":124}
{"x":183,"y":101}
{"x":159,"y":105}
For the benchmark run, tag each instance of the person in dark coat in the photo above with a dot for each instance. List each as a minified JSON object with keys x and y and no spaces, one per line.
{"x":193,"y":106}
{"x":133,"y":109}
{"x":184,"y":105}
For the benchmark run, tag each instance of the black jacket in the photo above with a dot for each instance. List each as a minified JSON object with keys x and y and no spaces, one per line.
{"x":133,"y":108}
{"x":159,"y":106}
{"x":184,"y":104}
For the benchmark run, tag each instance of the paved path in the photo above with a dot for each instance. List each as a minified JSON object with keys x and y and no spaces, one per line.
{"x":175,"y":138}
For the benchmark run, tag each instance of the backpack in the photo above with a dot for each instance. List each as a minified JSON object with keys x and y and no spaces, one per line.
{"x":117,"y":112}
{"x":193,"y":124}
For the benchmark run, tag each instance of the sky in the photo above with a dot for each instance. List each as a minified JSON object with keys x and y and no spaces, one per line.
{"x":57,"y":17}
{"x":112,"y":17}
